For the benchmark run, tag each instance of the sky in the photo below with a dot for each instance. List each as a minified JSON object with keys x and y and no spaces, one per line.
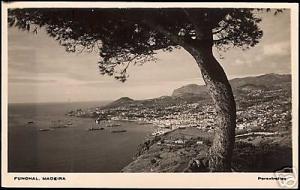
{"x":39,"y":70}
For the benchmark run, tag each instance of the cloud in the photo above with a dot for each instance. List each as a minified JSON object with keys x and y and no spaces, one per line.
{"x":238,"y":62}
{"x":280,"y":48}
{"x":27,"y":80}
{"x":42,"y":70}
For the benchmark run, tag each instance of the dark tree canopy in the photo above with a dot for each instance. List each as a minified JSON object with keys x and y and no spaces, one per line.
{"x":132,"y":35}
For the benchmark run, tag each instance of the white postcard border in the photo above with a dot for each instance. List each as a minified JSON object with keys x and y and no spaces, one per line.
{"x":146,"y":180}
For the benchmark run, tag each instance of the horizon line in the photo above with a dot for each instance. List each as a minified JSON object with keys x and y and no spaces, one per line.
{"x":91,"y":101}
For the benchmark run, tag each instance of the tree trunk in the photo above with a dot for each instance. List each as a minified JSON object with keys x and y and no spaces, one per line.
{"x":218,"y":86}
{"x":219,"y":89}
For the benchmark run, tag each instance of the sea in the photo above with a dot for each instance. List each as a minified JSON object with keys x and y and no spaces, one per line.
{"x":31,"y":148}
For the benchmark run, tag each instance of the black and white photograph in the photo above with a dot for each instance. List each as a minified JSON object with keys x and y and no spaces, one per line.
{"x":118,"y":90}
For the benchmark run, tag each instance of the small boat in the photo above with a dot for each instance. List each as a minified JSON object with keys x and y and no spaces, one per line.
{"x":45,"y":129}
{"x":30,"y":122}
{"x":144,"y":123}
{"x":119,"y":131}
{"x":60,"y":126}
{"x":95,"y":128}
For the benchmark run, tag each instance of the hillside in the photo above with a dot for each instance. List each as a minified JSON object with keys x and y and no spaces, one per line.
{"x":120,"y":102}
{"x":263,"y":133}
{"x":243,"y":89}
{"x":185,"y":125}
{"x":264,"y":82}
{"x":193,"y":93}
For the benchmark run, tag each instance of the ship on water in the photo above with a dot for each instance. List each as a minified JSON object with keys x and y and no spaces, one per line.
{"x":119,"y":131}
{"x":46,"y":129}
{"x":95,"y":128}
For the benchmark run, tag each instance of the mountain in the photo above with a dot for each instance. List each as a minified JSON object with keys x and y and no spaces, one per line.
{"x":263,"y":82}
{"x":189,"y":90}
{"x":120,"y":102}
{"x":194,"y":93}
{"x":267,"y":81}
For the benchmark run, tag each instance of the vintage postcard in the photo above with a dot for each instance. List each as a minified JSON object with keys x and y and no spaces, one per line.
{"x":159,"y":95}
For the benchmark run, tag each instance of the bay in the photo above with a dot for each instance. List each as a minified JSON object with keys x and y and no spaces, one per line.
{"x":31,"y":148}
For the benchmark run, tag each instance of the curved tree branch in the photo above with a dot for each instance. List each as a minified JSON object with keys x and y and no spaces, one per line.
{"x":221,"y":39}
{"x":221,"y":29}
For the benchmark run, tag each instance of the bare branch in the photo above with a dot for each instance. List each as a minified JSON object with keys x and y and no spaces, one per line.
{"x":81,"y":50}
{"x":125,"y":69}
{"x":221,"y":29}
{"x":221,"y":39}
